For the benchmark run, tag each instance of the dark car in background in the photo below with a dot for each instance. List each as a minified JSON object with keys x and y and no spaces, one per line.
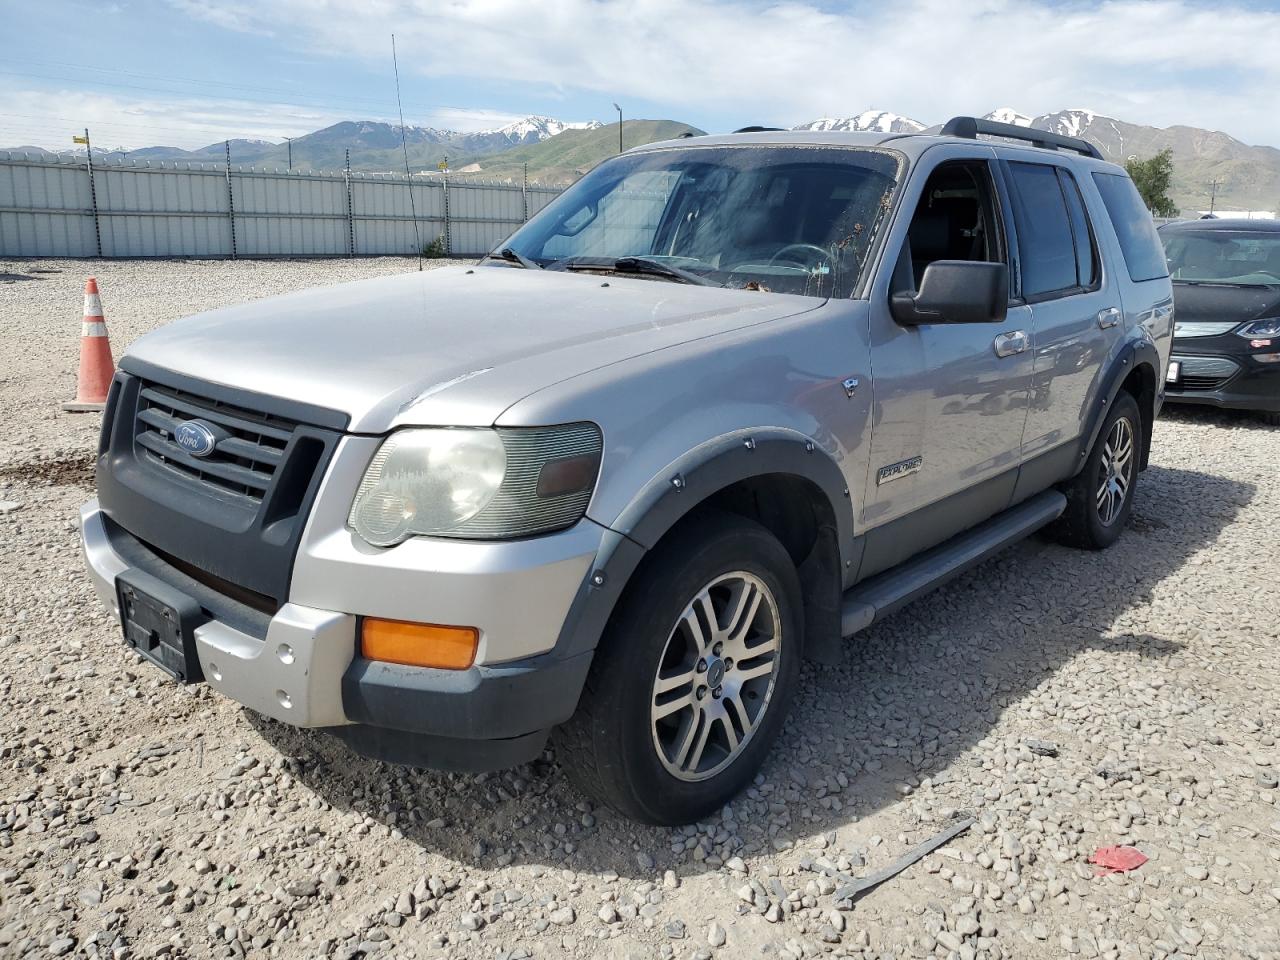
{"x":1226,"y":291}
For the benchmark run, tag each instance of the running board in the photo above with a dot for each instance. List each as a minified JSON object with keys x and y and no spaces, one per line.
{"x":873,"y":600}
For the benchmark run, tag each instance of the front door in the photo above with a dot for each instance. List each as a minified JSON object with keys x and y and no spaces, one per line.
{"x":949,"y":399}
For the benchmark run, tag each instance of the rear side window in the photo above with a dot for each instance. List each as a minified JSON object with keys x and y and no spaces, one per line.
{"x":1046,"y":247}
{"x":1086,"y":255}
{"x":1134,"y":227}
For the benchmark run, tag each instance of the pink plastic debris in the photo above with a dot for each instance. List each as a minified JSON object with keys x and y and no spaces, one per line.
{"x":1117,"y":859}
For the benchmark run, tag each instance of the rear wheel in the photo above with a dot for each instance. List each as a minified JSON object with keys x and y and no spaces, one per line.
{"x":694,"y":676}
{"x":1100,"y":497}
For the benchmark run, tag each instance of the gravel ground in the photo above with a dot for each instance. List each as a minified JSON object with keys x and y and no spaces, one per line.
{"x":141,"y":819}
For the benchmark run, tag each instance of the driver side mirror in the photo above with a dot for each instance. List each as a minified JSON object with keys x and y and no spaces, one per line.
{"x":955,"y":291}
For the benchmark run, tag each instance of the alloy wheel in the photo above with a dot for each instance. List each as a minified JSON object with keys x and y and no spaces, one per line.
{"x":1115,"y":471}
{"x":716,"y":676}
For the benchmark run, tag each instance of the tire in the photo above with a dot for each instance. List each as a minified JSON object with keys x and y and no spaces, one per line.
{"x":630,"y":745}
{"x":1270,"y":417}
{"x":1100,"y":496}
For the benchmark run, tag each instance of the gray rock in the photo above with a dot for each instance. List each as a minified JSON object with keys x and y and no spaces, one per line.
{"x":562,"y":916}
{"x":716,"y":935}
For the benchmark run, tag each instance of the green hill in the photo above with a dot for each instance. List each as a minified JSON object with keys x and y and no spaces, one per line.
{"x":567,"y":156}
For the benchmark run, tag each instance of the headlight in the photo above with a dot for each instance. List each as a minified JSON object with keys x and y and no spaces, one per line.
{"x":1261,"y":328}
{"x":477,"y":484}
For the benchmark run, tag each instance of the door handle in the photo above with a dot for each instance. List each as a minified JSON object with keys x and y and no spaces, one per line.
{"x":1108,"y":318}
{"x":1009,"y":344}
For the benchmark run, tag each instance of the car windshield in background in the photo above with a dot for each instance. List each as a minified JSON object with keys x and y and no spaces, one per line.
{"x":1223,"y":256}
{"x":784,"y":219}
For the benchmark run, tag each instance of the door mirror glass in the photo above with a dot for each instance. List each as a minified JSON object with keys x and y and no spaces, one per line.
{"x":955,"y":291}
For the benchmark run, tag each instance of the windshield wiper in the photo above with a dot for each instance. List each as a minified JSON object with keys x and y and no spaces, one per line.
{"x":659,"y":269}
{"x":515,"y":256}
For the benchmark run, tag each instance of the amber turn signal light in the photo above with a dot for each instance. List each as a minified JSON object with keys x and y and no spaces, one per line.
{"x":418,"y":644}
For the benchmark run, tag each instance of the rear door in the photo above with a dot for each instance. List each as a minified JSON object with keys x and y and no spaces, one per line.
{"x":1076,"y":319}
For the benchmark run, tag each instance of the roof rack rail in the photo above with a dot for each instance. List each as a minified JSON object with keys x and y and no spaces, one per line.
{"x":757,"y":130}
{"x":970,"y":127}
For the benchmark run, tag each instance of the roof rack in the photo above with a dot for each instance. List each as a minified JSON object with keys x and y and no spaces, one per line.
{"x":757,"y":130}
{"x":970,"y":127}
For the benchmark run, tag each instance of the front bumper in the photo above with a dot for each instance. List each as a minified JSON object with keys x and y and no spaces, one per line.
{"x":299,"y":665}
{"x":1246,"y":384}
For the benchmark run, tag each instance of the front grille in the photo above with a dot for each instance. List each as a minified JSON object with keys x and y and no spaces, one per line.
{"x":249,"y":449}
{"x":1189,"y":329}
{"x":1204,"y":373}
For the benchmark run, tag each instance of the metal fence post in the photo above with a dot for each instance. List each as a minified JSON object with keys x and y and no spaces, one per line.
{"x":351,"y":224}
{"x":93,"y":192}
{"x":524,"y":191}
{"x":448,"y":239}
{"x":231,"y":202}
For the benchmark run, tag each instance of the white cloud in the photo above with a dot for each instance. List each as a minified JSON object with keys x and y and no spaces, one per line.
{"x":48,"y":118}
{"x":1152,"y":61}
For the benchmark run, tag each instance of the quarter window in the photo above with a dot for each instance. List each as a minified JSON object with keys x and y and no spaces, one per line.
{"x":1135,"y":229}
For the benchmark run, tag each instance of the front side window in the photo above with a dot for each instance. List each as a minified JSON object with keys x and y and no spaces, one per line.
{"x":1237,"y":257}
{"x":956,"y":218}
{"x":785,"y":219}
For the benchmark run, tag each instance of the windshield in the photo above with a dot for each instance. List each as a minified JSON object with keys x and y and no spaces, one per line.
{"x":1223,"y":256}
{"x":784,"y":219}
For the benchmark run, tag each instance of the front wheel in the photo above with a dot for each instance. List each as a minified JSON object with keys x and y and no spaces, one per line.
{"x":693,"y":678}
{"x":1100,"y":496}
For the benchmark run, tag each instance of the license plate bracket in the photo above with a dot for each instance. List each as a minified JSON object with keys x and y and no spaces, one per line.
{"x":160,"y":622}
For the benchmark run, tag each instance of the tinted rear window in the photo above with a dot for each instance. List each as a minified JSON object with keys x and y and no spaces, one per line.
{"x":1047,"y":253}
{"x":1086,"y":256}
{"x":1134,"y":227}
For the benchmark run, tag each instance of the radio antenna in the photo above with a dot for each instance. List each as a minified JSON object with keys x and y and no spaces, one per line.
{"x":404,"y":145}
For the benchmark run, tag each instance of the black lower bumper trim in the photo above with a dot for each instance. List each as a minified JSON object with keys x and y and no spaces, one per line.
{"x":440,"y":753}
{"x":1267,"y":402}
{"x":480,"y":704}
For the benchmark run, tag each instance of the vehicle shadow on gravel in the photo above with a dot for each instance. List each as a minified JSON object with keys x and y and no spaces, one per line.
{"x":910,"y":700}
{"x":1216,"y":417}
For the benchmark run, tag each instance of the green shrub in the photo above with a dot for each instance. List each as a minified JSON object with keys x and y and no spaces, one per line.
{"x":435,"y":249}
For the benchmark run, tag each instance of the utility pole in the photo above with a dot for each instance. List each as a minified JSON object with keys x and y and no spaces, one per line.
{"x":1213,"y":193}
{"x":289,"y":141}
{"x":619,"y":109}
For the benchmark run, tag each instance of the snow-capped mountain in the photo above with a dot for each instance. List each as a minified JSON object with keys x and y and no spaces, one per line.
{"x":1008,"y":115}
{"x":536,"y":129}
{"x":880,"y":121}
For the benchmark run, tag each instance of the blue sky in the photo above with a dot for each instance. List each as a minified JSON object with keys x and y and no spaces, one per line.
{"x":188,"y":73}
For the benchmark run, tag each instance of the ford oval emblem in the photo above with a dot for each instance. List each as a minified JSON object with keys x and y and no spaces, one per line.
{"x":195,"y":437}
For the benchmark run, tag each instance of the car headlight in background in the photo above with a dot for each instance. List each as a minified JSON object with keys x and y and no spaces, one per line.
{"x":477,"y":484}
{"x":1261,"y":328}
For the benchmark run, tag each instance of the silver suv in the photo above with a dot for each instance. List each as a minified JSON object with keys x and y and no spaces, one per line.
{"x":725,"y":401}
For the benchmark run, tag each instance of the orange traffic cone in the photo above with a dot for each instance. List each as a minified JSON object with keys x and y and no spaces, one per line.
{"x":96,"y":365}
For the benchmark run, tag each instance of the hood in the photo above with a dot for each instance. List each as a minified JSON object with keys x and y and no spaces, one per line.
{"x":1200,"y":302}
{"x":396,"y":350}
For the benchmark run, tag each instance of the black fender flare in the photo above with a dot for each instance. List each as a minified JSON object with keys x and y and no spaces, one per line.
{"x":683,"y":485}
{"x":1132,"y":356}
